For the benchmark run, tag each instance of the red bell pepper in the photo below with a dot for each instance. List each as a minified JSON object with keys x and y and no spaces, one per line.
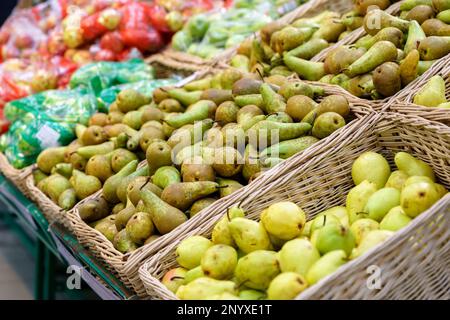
{"x":112,"y":41}
{"x":91,"y":27}
{"x":157,"y":15}
{"x":146,"y":40}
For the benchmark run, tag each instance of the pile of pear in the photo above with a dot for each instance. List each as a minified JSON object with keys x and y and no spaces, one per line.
{"x":432,"y":94}
{"x":283,"y":254}
{"x":395,"y":51}
{"x":102,"y":149}
{"x":286,"y":48}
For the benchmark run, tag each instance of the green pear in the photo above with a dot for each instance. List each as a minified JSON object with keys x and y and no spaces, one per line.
{"x":306,"y":232}
{"x":223,"y":296}
{"x":442,"y":191}
{"x":413,"y":166}
{"x":193,"y":274}
{"x":199,"y":205}
{"x":174,"y":278}
{"x":362,"y":227}
{"x":379,"y":53}
{"x":123,"y":191}
{"x":357,"y":199}
{"x":249,"y":235}
{"x":272,"y":101}
{"x":228,"y":186}
{"x":182,"y":195}
{"x":158,"y":154}
{"x":191,"y":250}
{"x":123,"y":243}
{"x":196,"y":112}
{"x":415,"y":35}
{"x":417,"y":179}
{"x":286,"y":286}
{"x":335,"y":237}
{"x":184,"y":97}
{"x":326,"y":265}
{"x":263,"y":130}
{"x":88,"y":152}
{"x":112,"y":183}
{"x":339,"y":212}
{"x":326,"y":124}
{"x":140,"y":227}
{"x":434,"y":47}
{"x":432,"y":94}
{"x":219,"y":261}
{"x":252,"y":295}
{"x":379,"y":203}
{"x":68,"y":199}
{"x":287,"y":149}
{"x":376,"y":20}
{"x":379,"y":169}
{"x":130,"y":99}
{"x":107,"y":228}
{"x":418,"y":197}
{"x":298,"y":256}
{"x":204,"y":288}
{"x":120,"y":158}
{"x":55,"y":185}
{"x":85,"y":185}
{"x":93,"y":209}
{"x":257,"y":269}
{"x":64,"y":169}
{"x":397,"y":180}
{"x":164,"y":216}
{"x":395,"y":219}
{"x":391,"y":34}
{"x":100,"y":166}
{"x":50,"y":157}
{"x":221,"y":233}
{"x":124,"y":215}
{"x":372,"y":239}
{"x":284,"y":220}
{"x":322,"y":220}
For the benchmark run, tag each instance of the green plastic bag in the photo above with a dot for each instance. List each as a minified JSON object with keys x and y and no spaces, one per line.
{"x":101,"y":75}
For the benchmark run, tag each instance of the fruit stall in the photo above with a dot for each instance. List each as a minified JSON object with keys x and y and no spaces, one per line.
{"x":229,"y":150}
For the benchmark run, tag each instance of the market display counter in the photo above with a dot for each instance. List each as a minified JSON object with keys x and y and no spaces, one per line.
{"x":49,"y":243}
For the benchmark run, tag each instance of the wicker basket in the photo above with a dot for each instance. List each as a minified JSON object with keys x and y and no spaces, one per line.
{"x":16,"y":176}
{"x":196,"y":63}
{"x":320,"y":178}
{"x":127,"y":266}
{"x":403,"y":102}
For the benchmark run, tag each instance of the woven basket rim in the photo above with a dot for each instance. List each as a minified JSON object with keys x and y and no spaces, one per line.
{"x":146,"y":269}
